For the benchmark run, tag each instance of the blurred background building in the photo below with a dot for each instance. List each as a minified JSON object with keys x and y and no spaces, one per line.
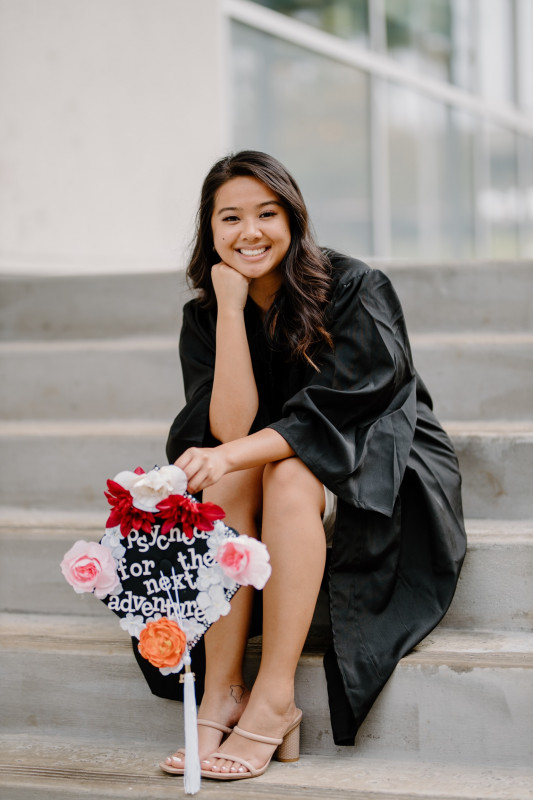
{"x":407,"y":123}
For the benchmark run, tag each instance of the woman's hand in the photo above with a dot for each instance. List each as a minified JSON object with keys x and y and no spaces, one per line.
{"x":203,"y":466}
{"x":231,"y":288}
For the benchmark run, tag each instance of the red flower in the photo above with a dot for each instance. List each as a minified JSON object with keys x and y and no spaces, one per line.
{"x":124,"y":513}
{"x":181,"y":511}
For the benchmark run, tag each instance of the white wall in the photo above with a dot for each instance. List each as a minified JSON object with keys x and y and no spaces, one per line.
{"x":111,"y":111}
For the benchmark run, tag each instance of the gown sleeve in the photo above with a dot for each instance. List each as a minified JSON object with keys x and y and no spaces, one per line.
{"x":197,"y":356}
{"x":353,"y":422}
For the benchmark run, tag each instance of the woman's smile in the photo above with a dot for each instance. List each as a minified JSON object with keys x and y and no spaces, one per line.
{"x":252,"y":253}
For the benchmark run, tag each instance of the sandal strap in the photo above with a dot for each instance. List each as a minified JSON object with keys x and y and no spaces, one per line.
{"x":255,"y":737}
{"x":208,"y":723}
{"x":251,"y":769}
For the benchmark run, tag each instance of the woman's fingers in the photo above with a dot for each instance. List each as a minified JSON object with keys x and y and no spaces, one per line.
{"x":203,"y":466}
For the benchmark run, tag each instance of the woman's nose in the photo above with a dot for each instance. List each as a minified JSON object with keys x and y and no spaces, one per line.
{"x":250,"y":229}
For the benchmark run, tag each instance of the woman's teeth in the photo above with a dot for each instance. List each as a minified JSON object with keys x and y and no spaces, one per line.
{"x":257,"y":252}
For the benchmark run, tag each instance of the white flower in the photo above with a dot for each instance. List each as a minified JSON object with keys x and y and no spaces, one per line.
{"x":152,"y":487}
{"x":192,"y":629}
{"x":217,"y":536}
{"x":208,"y":576}
{"x":213,"y":603}
{"x":112,"y":539}
{"x":134,"y":624}
{"x":126,"y":479}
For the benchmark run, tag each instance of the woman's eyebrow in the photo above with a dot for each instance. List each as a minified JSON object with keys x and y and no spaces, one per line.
{"x":259,"y":205}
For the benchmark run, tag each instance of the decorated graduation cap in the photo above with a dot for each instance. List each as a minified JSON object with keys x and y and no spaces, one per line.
{"x":167,"y":566}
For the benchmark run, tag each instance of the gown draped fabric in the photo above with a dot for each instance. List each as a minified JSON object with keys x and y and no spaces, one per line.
{"x":364,"y":426}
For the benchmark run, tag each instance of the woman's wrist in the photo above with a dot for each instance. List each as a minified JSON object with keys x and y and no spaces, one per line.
{"x":229,"y":313}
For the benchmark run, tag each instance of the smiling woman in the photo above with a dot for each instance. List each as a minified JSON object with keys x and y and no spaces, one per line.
{"x":251,"y":233}
{"x":299,"y":378}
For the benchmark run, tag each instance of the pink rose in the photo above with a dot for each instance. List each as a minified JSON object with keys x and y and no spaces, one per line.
{"x":89,"y":566}
{"x":245,"y":560}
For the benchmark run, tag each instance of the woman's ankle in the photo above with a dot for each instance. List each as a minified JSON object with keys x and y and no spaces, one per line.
{"x":224,"y":704}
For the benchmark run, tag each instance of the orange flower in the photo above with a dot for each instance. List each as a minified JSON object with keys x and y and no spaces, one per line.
{"x":162,"y":643}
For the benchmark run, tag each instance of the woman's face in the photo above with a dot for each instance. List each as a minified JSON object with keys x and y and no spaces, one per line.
{"x":251,"y":229}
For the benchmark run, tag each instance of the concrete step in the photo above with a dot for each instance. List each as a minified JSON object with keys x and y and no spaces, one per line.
{"x":471,"y":376}
{"x":467,"y":296}
{"x":495,"y":296}
{"x":53,"y":767}
{"x":460,"y":697}
{"x":91,"y":379}
{"x":494,"y":590}
{"x":496,"y":459}
{"x":480,"y":376}
{"x":90,"y":306}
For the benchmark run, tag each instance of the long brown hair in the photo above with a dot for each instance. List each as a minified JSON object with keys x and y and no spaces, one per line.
{"x":295,"y":319}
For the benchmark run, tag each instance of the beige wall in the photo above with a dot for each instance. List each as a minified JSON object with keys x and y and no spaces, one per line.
{"x":110,"y":113}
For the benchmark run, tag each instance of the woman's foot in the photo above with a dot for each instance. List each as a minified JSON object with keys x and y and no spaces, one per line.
{"x":260,"y":719}
{"x":217,"y":715}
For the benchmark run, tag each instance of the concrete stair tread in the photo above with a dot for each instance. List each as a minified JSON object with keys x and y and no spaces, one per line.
{"x":477,"y":339}
{"x":85,"y":427}
{"x":121,"y":344}
{"x":125,"y":427}
{"x":65,"y":522}
{"x":487,"y":428}
{"x":48,"y":519}
{"x":156,"y":341}
{"x":52,"y":766}
{"x":50,"y":632}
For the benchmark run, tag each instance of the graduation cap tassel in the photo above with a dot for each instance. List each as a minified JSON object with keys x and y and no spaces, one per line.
{"x":192,"y":778}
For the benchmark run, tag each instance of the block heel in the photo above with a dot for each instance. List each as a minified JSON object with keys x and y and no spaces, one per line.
{"x":289,"y":749}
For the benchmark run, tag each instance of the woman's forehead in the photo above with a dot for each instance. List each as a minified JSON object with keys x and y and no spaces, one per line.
{"x":243,"y":191}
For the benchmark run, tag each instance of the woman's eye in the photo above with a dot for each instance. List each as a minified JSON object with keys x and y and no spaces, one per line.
{"x":268,"y":214}
{"x":230,"y":219}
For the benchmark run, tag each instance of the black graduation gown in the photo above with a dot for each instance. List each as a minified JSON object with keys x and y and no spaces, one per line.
{"x":364,"y":426}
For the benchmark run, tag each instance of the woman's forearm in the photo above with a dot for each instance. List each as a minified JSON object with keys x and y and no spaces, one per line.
{"x":234,"y":399}
{"x":206,"y":465}
{"x":256,"y":450}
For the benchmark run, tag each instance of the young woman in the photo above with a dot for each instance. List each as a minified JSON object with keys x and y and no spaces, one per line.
{"x":302,"y":402}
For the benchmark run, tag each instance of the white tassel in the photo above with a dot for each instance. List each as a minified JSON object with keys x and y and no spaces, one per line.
{"x":192,"y":778}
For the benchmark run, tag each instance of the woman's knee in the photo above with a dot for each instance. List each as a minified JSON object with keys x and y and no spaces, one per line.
{"x":291,"y":480}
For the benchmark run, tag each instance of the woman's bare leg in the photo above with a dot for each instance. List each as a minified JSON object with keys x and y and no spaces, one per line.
{"x":293,"y":503}
{"x":225,"y":696}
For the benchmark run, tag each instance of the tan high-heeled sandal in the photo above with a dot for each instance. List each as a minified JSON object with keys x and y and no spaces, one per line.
{"x":287,"y":749}
{"x":172,"y":769}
